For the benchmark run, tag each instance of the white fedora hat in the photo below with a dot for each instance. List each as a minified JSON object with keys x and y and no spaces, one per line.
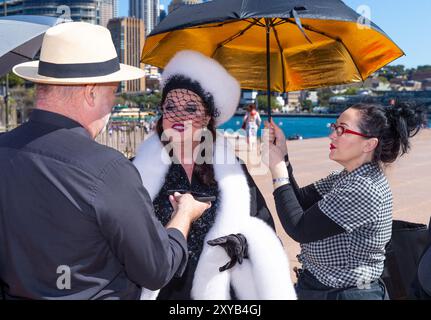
{"x":77,"y":53}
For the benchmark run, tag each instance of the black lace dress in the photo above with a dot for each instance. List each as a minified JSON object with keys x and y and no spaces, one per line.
{"x":176,"y":178}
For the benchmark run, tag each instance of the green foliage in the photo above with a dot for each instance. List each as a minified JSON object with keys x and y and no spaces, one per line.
{"x":14,"y":80}
{"x":324,"y":95}
{"x":262,"y":103}
{"x":307,"y":105}
{"x":383,"y":79}
{"x":351,"y":91}
{"x":148,"y":101}
{"x":424,"y":68}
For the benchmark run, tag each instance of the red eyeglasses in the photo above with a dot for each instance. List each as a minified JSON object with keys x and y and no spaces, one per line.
{"x":340,"y":130}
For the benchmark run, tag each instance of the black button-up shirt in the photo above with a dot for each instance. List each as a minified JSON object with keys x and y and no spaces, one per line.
{"x":75,"y":219}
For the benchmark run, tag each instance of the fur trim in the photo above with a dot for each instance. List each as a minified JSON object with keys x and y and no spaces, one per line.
{"x":212,"y":77}
{"x":151,"y":154}
{"x":265,"y":275}
{"x":234,"y":209}
{"x":270,"y":264}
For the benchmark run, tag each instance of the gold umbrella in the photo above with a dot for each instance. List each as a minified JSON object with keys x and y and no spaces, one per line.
{"x":276,"y":45}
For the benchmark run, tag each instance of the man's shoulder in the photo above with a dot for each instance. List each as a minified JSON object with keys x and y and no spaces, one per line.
{"x":82,"y":151}
{"x":73,"y":148}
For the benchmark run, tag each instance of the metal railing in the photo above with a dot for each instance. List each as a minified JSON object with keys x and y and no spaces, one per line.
{"x":123,"y":137}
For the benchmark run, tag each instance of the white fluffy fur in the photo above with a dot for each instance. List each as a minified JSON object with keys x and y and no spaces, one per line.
{"x":212,"y":77}
{"x":265,"y":275}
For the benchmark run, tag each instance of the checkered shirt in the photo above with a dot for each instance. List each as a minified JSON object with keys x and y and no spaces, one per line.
{"x":361,"y":203}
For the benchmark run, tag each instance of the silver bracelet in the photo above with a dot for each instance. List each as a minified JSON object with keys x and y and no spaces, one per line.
{"x":280,"y":180}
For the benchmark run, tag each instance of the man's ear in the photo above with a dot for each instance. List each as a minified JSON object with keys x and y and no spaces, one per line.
{"x":371,"y":144}
{"x":90,"y":94}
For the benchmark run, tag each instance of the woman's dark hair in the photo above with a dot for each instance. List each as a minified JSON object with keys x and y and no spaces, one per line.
{"x":182,"y":82}
{"x":204,"y":171}
{"x":251,"y":107}
{"x":393,"y":126}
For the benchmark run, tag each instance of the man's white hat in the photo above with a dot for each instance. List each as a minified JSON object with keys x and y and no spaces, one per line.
{"x":223,"y":89}
{"x":77,"y":53}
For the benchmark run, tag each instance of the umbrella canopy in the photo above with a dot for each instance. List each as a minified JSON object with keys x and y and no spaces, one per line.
{"x":307,"y":43}
{"x":21,"y":38}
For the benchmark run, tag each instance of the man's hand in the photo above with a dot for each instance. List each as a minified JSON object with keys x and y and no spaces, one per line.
{"x":236,"y":248}
{"x":186,"y":210}
{"x":185,"y":204}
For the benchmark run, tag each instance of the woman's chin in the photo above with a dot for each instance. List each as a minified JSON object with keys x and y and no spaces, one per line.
{"x":332,"y":156}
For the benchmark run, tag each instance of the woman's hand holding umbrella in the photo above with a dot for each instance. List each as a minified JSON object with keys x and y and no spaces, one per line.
{"x":273,"y":155}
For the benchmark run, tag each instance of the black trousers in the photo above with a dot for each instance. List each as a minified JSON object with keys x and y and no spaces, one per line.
{"x":309,"y":288}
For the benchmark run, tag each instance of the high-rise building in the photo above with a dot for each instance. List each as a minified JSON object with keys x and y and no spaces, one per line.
{"x":12,"y":7}
{"x":175,"y":4}
{"x":92,"y":11}
{"x":80,"y":10}
{"x":162,"y":13}
{"x":115,"y":8}
{"x":106,"y":11}
{"x":128,"y":35}
{"x":147,"y":10}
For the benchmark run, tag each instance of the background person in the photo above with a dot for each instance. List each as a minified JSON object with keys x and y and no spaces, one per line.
{"x":251,"y":125}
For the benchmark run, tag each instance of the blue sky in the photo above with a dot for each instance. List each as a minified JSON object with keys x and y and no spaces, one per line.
{"x":408,"y":23}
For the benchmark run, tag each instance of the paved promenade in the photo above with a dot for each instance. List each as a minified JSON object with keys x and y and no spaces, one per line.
{"x":409,"y":178}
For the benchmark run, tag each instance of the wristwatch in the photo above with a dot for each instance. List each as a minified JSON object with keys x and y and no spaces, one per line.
{"x":285,"y":180}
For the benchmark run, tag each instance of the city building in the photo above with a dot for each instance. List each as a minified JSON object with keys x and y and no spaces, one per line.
{"x":147,"y":10}
{"x":313,"y":97}
{"x":152,"y":78}
{"x":116,"y":9}
{"x":295,"y":98}
{"x":128,"y":35}
{"x":162,"y":13}
{"x":247,"y":97}
{"x":91,"y":11}
{"x":106,"y":11}
{"x":175,"y":4}
{"x":13,"y":7}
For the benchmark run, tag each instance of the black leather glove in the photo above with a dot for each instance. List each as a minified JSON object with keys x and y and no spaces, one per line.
{"x":235,"y":246}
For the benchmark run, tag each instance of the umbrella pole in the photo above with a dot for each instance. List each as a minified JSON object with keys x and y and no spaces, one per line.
{"x":268,"y":67}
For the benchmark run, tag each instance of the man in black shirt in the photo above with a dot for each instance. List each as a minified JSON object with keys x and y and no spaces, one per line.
{"x":75,"y":220}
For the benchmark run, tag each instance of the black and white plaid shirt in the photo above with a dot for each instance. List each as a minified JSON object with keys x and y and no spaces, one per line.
{"x":361,"y":203}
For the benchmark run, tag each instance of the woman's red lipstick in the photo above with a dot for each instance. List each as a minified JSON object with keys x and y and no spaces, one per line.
{"x":178,"y":126}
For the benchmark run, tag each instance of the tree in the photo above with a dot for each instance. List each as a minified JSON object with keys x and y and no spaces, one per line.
{"x":351,"y":91}
{"x":307,"y":105}
{"x":383,"y":79}
{"x":149,"y":101}
{"x":324,"y":95}
{"x":14,"y":80}
{"x":262,"y":102}
{"x":152,"y":101}
{"x":424,"y":68}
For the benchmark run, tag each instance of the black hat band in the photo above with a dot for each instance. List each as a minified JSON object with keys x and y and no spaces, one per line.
{"x":78,"y":70}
